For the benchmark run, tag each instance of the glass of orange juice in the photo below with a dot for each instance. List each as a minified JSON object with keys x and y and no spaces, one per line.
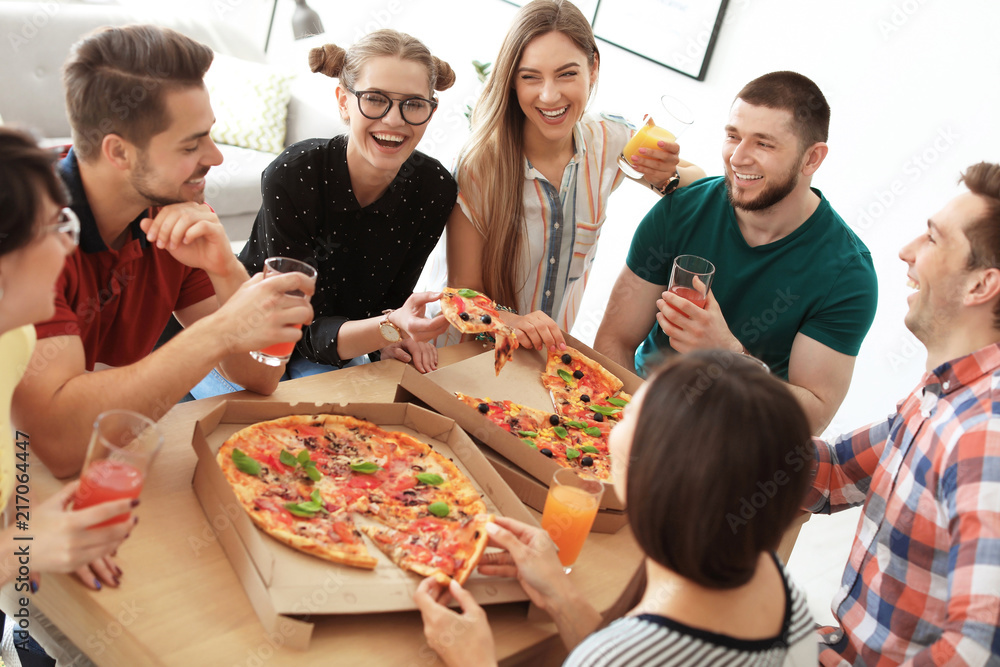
{"x":570,"y":510}
{"x":122,"y":448}
{"x":676,"y":118}
{"x":277,"y":354}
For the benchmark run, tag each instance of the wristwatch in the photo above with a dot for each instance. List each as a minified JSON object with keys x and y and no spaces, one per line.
{"x":389,"y":331}
{"x":672,"y":184}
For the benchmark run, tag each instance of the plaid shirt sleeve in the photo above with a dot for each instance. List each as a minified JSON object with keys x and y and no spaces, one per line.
{"x":969,"y":490}
{"x":843,"y":470}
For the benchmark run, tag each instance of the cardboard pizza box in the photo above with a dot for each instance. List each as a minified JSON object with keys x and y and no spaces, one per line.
{"x":527,"y":471}
{"x":282,"y":582}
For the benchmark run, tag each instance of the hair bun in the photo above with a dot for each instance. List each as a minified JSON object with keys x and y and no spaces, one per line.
{"x":445,"y":74}
{"x":327,"y":59}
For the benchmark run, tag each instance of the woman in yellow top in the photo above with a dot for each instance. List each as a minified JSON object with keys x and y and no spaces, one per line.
{"x":36,"y":234}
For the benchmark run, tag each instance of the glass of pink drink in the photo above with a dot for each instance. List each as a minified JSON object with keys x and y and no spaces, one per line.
{"x":686,"y":269}
{"x":122,"y":447}
{"x":279,"y":353}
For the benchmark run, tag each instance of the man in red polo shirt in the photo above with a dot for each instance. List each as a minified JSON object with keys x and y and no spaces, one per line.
{"x":150,"y":247}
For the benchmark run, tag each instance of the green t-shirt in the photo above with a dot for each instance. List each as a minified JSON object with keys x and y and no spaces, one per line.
{"x":819,"y":279}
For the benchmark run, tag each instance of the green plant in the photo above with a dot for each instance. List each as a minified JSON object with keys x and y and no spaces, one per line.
{"x":482,"y":72}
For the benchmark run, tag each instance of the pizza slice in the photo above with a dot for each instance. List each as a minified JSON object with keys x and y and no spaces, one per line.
{"x":434,"y":547}
{"x":508,"y":415}
{"x":473,"y":313}
{"x":423,"y":483}
{"x":581,"y":388}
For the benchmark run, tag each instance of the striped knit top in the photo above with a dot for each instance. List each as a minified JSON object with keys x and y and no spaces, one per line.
{"x":649,"y":640}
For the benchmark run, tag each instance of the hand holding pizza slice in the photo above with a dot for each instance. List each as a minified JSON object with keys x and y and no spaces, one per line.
{"x":473,"y":313}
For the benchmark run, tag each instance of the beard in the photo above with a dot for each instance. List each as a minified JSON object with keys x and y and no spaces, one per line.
{"x":771,"y":195}
{"x":142,"y":182}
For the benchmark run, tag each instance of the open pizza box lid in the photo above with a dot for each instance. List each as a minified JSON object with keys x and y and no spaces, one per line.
{"x":519,"y":381}
{"x":280,"y":580}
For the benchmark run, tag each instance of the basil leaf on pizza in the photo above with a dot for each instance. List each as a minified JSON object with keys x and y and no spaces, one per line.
{"x":245,"y":463}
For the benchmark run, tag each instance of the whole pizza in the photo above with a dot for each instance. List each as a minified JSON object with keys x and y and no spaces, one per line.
{"x":317,"y":482}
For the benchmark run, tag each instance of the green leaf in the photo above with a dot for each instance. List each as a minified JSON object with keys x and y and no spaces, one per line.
{"x":575,"y":424}
{"x":621,"y":403}
{"x":604,"y":409}
{"x":572,"y":453}
{"x":529,"y":443}
{"x":310,"y":506}
{"x":430,"y":478}
{"x":299,"y":510}
{"x":245,"y":463}
{"x":314,"y":475}
{"x":528,"y":434}
{"x":303,"y":457}
{"x":439,"y":509}
{"x":590,"y":449}
{"x":566,"y":376}
{"x":592,"y":431}
{"x":287,"y":458}
{"x":560,"y":431}
{"x":468,"y":293}
{"x":366,"y":467}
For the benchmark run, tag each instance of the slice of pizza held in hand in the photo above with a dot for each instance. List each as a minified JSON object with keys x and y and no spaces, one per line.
{"x":473,"y":313}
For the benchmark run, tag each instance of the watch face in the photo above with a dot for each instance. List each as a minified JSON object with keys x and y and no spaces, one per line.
{"x":388,"y":332}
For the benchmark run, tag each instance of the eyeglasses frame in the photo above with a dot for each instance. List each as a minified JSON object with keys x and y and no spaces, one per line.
{"x":392,"y":101}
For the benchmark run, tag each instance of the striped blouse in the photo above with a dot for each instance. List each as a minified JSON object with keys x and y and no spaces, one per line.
{"x":648,"y":640}
{"x":563,"y":224}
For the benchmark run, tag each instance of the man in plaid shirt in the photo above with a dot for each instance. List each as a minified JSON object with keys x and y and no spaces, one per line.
{"x":922,"y":584}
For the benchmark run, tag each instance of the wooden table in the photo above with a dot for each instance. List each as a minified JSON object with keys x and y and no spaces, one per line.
{"x":180,"y":602}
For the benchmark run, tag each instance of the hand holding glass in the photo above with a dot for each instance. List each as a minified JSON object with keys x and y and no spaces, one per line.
{"x":279,"y":353}
{"x":122,"y":448}
{"x":682,"y":279}
{"x":676,"y":119}
{"x":570,"y":510}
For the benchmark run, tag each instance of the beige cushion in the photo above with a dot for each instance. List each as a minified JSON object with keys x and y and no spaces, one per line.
{"x":250,"y":101}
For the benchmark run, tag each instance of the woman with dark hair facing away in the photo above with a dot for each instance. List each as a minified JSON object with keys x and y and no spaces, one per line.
{"x":536,"y":173}
{"x":710,"y":433}
{"x":365,"y":208}
{"x":37,"y":232}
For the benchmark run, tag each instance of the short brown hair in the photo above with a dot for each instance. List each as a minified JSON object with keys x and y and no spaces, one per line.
{"x":116,"y":79}
{"x":26,"y":172}
{"x":718,"y":433}
{"x":983,"y":179}
{"x":794,"y":93}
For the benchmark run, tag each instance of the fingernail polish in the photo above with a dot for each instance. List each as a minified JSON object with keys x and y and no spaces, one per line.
{"x":135,"y":502}
{"x":34,"y":586}
{"x":97,"y":584}
{"x":116,"y":580}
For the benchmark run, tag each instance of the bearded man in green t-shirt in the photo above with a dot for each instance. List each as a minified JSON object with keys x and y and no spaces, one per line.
{"x":793,"y":285}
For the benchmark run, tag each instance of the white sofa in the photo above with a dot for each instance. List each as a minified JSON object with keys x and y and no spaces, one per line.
{"x":38,"y":37}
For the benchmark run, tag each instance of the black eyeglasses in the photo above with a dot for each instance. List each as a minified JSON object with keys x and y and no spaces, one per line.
{"x":374,"y":104}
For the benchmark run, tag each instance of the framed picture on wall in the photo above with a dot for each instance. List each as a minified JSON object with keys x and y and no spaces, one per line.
{"x":679,"y":34}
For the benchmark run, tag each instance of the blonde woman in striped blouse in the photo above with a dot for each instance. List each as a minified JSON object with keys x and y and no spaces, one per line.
{"x":536,"y":174}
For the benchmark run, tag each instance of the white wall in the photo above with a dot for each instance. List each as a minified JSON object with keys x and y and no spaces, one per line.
{"x":913,"y":85}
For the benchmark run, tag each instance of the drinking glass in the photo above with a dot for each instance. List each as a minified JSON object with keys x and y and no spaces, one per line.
{"x":570,"y":510}
{"x":686,"y":268}
{"x":277,"y":354}
{"x":121,"y":450}
{"x":676,"y":118}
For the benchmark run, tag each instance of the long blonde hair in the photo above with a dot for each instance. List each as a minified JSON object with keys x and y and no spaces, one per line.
{"x":491,"y":165}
